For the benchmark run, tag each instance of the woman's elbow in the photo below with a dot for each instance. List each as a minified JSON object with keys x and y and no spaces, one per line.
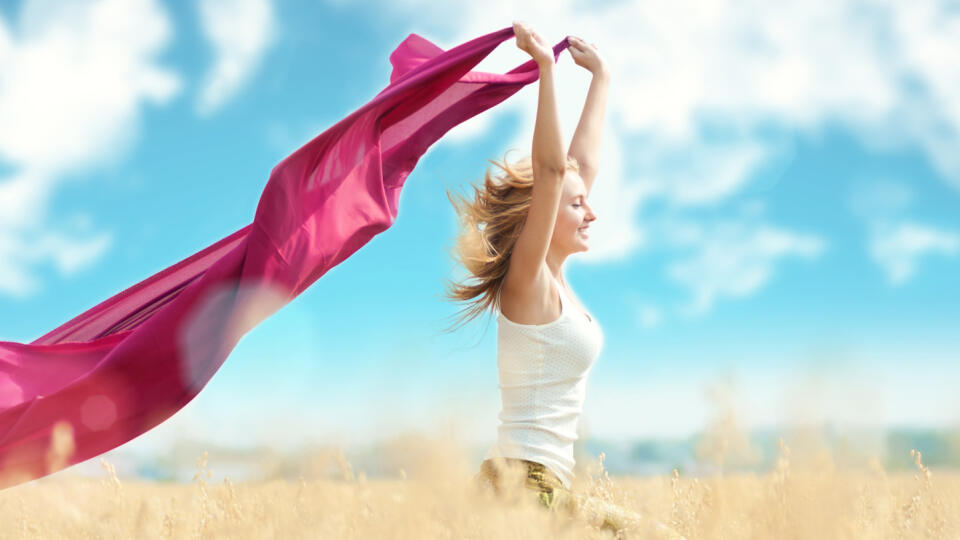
{"x":550,"y":167}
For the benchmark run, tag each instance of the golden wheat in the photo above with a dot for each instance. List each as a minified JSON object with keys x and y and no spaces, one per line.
{"x":432,"y":496}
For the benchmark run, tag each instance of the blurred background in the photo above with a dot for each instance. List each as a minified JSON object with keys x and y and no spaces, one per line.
{"x":775,"y":255}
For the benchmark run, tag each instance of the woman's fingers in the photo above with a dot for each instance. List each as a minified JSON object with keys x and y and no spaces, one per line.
{"x":531,"y":42}
{"x":581,"y":44}
{"x":585,"y":54}
{"x":523,"y":32}
{"x":520,"y":27}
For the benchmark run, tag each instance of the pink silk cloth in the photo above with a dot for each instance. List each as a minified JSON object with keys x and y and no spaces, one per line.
{"x":129,"y":363}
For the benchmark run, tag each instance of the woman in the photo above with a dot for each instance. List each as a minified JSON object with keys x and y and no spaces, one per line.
{"x":516,"y":236}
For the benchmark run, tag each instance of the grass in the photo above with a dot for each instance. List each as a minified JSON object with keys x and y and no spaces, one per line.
{"x":801,"y":497}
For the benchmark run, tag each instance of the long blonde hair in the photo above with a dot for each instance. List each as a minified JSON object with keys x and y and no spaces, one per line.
{"x":490,"y":224}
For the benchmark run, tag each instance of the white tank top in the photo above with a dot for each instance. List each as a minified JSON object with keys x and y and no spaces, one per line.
{"x":543,"y":375}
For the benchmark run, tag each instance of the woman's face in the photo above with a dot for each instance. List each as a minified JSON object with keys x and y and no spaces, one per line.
{"x":570,"y":233}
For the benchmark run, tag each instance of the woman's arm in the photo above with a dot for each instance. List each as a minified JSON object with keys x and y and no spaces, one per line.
{"x":547,"y":141}
{"x":547,"y":150}
{"x":527,"y":261}
{"x":585,"y":144}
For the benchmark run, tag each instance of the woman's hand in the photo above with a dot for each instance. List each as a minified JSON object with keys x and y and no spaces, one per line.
{"x":586,"y":55}
{"x":531,"y":42}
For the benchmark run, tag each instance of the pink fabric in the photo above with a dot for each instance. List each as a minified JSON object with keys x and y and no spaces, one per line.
{"x":129,"y":363}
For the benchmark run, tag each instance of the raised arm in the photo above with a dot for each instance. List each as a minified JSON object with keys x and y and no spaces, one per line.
{"x":528,"y":258}
{"x":585,"y":144}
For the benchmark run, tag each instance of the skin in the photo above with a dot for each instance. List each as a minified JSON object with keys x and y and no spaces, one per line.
{"x":574,"y":214}
{"x":535,"y":300}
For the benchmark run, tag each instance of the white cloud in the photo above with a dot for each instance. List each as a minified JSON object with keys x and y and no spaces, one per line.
{"x":895,"y":242}
{"x":240,"y":32}
{"x":18,"y":253}
{"x":682,"y":69}
{"x":734,"y":260}
{"x":700,"y":173}
{"x":72,"y":83}
{"x":897,"y":248}
{"x":24,"y":244}
{"x":929,"y":35}
{"x":73,"y":76}
{"x":23,"y":200}
{"x":742,"y":64}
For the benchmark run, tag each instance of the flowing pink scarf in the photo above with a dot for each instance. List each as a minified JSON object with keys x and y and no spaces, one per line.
{"x":129,"y":363}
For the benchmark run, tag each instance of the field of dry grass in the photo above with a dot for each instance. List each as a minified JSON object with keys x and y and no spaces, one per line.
{"x":799,"y":498}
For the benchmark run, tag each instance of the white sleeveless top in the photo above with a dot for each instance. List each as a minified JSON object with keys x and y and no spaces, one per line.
{"x":543,"y":376}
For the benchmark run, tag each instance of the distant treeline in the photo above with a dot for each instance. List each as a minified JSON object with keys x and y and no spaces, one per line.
{"x":759,"y":451}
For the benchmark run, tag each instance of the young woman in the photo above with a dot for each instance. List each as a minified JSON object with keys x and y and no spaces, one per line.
{"x":517,"y":233}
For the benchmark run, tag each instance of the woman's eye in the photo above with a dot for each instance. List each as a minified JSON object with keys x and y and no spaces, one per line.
{"x":576,"y":205}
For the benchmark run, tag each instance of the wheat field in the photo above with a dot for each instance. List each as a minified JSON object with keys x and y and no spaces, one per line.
{"x":434,"y":497}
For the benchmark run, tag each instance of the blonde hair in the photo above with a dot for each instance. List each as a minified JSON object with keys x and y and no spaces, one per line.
{"x":489,"y":227}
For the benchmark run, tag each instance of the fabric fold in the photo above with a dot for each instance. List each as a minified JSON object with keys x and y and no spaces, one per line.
{"x":124,"y":366}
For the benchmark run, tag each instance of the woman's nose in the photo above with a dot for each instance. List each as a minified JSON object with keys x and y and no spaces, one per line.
{"x":590,"y":215}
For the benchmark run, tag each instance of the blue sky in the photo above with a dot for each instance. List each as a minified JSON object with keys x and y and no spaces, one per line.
{"x":772,"y":206}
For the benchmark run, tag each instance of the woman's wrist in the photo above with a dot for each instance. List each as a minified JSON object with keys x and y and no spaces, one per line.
{"x":601,"y":72}
{"x":546,"y":64}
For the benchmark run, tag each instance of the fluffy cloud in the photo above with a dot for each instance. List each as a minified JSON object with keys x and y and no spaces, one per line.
{"x":897,"y":242}
{"x":681,"y":67}
{"x":698,"y":173}
{"x":928,"y":36}
{"x":897,"y":248}
{"x":72,"y":83}
{"x":735,"y":260}
{"x":73,"y":77}
{"x":239,"y":32}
